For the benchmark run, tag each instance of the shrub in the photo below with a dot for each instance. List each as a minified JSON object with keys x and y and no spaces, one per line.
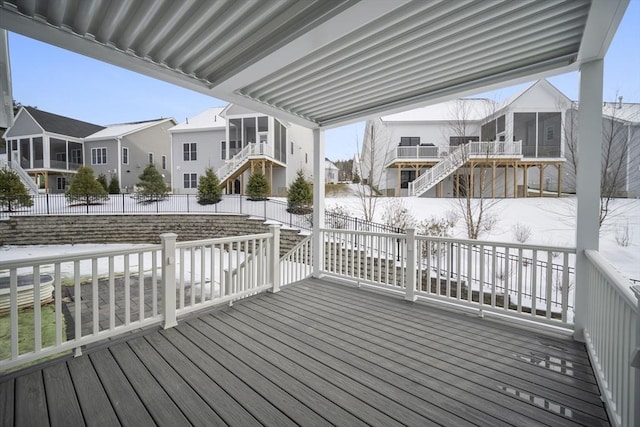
{"x":436,"y":227}
{"x":13,"y":192}
{"x":397,"y":215}
{"x":114,"y":185}
{"x":258,"y":187}
{"x":209,"y":191}
{"x":623,"y":236}
{"x":102,"y":180}
{"x":151,"y":186}
{"x":338,"y":217}
{"x":521,"y":232}
{"x":356,"y":177}
{"x":300,"y":195}
{"x":85,"y":189}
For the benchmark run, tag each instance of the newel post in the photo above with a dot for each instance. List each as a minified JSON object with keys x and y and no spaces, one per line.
{"x":169,"y":279}
{"x":275,"y":258}
{"x":635,"y":358}
{"x":411,"y":265}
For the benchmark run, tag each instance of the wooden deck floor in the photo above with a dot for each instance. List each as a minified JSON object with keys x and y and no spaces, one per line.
{"x":316,"y":353}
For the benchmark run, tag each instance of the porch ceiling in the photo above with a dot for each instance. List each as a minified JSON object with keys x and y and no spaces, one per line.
{"x":324,"y":62}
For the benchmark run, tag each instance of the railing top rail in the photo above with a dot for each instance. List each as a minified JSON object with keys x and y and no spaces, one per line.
{"x":367,"y":233}
{"x":73,"y":257}
{"x":218,"y":240}
{"x":566,"y":249}
{"x":620,"y":284}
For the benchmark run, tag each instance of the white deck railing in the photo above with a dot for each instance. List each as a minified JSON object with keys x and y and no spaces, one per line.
{"x":456,"y":158}
{"x":494,"y":149}
{"x":252,"y":149}
{"x":107,"y":293}
{"x":24,"y":176}
{"x":418,"y":152}
{"x":296,"y":264}
{"x":612,"y":334}
{"x":520,"y":281}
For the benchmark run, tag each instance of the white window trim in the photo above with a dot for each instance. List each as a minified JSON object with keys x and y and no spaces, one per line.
{"x":190,"y":151}
{"x":151,"y":158}
{"x":95,"y":150}
{"x":125,"y":150}
{"x":164,"y":162}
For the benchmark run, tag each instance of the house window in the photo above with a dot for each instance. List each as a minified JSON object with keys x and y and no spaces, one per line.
{"x":99,"y":156}
{"x":190,"y":180}
{"x":164,"y":162}
{"x":409,"y":141}
{"x":150,"y":158}
{"x":125,"y":156}
{"x":76,"y":156}
{"x":189,"y":151}
{"x":291,"y":147}
{"x":223,"y":150}
{"x":454,"y":141}
{"x":306,"y":158}
{"x":406,"y":177}
{"x":61,"y":183}
{"x":549,"y":133}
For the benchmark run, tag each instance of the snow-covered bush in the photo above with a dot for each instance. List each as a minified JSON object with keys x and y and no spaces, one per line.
{"x":397,"y":215}
{"x":521,"y":232}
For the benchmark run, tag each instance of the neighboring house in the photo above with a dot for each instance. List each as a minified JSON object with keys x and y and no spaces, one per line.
{"x":124,"y":150}
{"x":470,"y":146}
{"x":234,"y":141}
{"x":49,"y":147}
{"x":331,"y":172}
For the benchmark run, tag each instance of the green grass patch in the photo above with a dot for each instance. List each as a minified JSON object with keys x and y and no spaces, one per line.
{"x":26,"y":330}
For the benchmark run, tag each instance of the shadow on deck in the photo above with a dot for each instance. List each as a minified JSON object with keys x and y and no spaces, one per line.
{"x":316,"y":353}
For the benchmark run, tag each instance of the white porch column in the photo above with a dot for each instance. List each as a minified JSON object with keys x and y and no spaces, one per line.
{"x":587,"y":182}
{"x":318,"y":200}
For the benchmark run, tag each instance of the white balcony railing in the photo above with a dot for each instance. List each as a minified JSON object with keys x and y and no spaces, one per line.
{"x":235,"y":163}
{"x":418,"y":152}
{"x":108,"y":293}
{"x":612,"y":334}
{"x":456,"y":158}
{"x":494,"y":149}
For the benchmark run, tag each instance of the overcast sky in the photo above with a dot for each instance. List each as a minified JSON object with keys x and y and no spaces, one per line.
{"x":72,"y":85}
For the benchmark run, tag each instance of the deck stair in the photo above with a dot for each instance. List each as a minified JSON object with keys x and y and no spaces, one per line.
{"x":235,"y":166}
{"x":24,"y":176}
{"x":439,"y":171}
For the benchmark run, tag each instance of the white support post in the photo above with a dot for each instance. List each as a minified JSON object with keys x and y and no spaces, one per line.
{"x":275,"y":258}
{"x":587,"y":183}
{"x":318,"y":200}
{"x":169,"y":279}
{"x":410,"y":294}
{"x":635,"y":360}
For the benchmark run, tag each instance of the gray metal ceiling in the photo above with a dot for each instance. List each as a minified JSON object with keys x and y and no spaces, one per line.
{"x":324,"y":62}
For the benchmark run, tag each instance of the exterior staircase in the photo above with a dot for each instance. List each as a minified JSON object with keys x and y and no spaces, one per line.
{"x":24,"y":176}
{"x":439,"y":171}
{"x":239,"y":163}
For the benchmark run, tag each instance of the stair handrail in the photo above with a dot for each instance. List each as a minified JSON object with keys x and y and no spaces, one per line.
{"x":441,"y":170}
{"x":241,"y":156}
{"x":24,"y":176}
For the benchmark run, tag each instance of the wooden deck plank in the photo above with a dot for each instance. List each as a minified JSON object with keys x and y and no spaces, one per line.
{"x":252,"y":401}
{"x":160,"y":406}
{"x":227,"y":408}
{"x":123,"y":398}
{"x":64,"y":409}
{"x":449,"y":338}
{"x":358,"y":382}
{"x":93,"y":400}
{"x":439,"y":365}
{"x":7,"y":394}
{"x":190,"y":403}
{"x":476,"y":408}
{"x":570,"y":396}
{"x":368,"y":414}
{"x":287,"y":403}
{"x":30,"y":400}
{"x":306,"y":395}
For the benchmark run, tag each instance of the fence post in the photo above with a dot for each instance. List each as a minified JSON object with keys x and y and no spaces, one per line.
{"x":275,"y":258}
{"x":47,"y":194}
{"x":635,"y":360}
{"x":265,"y":209}
{"x":411,"y":265}
{"x":169,"y":279}
{"x":188,"y":203}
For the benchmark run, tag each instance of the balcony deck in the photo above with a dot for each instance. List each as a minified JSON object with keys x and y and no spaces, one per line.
{"x":316,"y":353}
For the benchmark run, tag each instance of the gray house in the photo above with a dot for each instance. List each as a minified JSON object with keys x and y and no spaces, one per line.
{"x":49,"y":147}
{"x":124,"y":150}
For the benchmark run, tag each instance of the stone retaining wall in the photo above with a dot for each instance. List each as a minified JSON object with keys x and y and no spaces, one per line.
{"x":74,"y":229}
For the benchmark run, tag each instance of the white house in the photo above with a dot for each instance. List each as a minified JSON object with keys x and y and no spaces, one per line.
{"x":234,"y":142}
{"x":124,"y":150}
{"x":331,"y":172}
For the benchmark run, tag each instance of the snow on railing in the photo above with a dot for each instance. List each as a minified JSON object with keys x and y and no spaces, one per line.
{"x":103,"y":294}
{"x":24,"y":176}
{"x":612,"y":335}
{"x":296,"y":264}
{"x":440,"y":171}
{"x":494,"y":148}
{"x":485,"y":276}
{"x":251,"y":149}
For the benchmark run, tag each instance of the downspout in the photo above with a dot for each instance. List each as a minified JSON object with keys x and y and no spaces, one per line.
{"x":119,"y":162}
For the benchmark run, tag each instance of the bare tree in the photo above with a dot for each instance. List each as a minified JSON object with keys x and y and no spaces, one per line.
{"x":375,"y":150}
{"x":474,"y":188}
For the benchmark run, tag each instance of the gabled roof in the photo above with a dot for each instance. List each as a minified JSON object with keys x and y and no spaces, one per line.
{"x":542,"y":83}
{"x":123,"y":129}
{"x":473,"y":109}
{"x":323,"y":63}
{"x":627,"y":112}
{"x":62,"y":125}
{"x":209,"y":119}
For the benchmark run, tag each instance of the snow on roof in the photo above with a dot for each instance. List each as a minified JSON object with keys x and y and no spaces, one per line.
{"x":207,"y":120}
{"x":121,"y":129}
{"x":629,"y":112}
{"x":472,"y":108}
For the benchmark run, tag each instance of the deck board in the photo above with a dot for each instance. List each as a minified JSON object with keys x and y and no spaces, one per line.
{"x":316,"y":353}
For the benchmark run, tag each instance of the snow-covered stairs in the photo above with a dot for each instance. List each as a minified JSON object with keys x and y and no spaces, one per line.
{"x":440,"y":171}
